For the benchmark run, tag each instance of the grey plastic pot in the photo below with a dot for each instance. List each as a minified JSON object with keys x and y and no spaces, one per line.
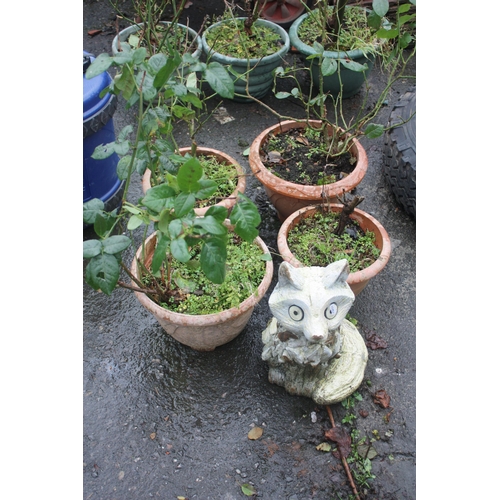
{"x":124,"y":35}
{"x":256,"y":73}
{"x":350,"y":82}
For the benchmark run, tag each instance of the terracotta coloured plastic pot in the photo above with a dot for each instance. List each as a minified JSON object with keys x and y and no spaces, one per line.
{"x":223,"y":158}
{"x":203,"y":332}
{"x":282,"y":12}
{"x":287,"y":197}
{"x":359,"y":279}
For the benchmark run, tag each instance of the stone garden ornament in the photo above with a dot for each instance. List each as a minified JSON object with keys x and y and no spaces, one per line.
{"x":311,"y":349}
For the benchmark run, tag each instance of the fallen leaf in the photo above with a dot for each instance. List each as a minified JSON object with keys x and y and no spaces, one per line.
{"x":382,"y":398}
{"x":248,"y":490}
{"x":375,"y":342}
{"x":302,"y":140}
{"x":93,"y":32}
{"x":274,"y":157}
{"x":367,"y":451}
{"x":324,"y":447}
{"x":121,"y":475}
{"x":255,"y":433}
{"x":341,"y":438}
{"x":152,"y":435}
{"x":363,"y":413}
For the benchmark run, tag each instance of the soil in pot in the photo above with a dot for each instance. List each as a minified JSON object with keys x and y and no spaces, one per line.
{"x":314,"y":243}
{"x":193,"y":293}
{"x":298,"y":156}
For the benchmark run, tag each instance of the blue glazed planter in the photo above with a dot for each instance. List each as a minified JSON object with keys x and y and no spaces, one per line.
{"x":258,"y":73}
{"x":345,"y":80}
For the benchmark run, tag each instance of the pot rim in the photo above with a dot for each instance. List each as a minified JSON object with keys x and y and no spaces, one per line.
{"x":124,"y":33}
{"x":308,"y":50}
{"x":299,"y":191}
{"x":262,"y":60}
{"x":228,"y":202}
{"x":363,"y":218}
{"x":202,"y":319}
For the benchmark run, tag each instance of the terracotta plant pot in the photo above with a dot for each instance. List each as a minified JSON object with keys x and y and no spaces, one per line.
{"x":282,"y":12}
{"x":203,"y":332}
{"x":223,"y":158}
{"x":359,"y":279}
{"x":287,"y":197}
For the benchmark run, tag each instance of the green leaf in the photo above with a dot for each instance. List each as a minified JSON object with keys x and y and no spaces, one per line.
{"x":156,"y":198}
{"x":184,"y":203}
{"x":213,"y":259}
{"x":99,"y":65}
{"x":374,"y":130}
{"x":282,"y":95}
{"x":219,"y":80}
{"x":389,"y":34}
{"x":374,"y":20}
{"x":103,"y":223}
{"x":180,"y":250}
{"x":156,"y":62}
{"x":166,"y":218}
{"x":328,"y":66}
{"x":245,"y":217}
{"x":125,"y":82}
{"x":91,"y":248}
{"x":353,"y":65}
{"x":217,"y":212}
{"x":139,"y":55}
{"x":248,"y":490}
{"x":189,"y":174}
{"x":122,"y":167}
{"x":175,"y":228}
{"x":103,"y":151}
{"x":405,"y":7}
{"x":134,"y":222}
{"x":381,"y":7}
{"x":91,"y":208}
{"x":116,"y":244}
{"x":207,"y":188}
{"x":166,"y":71}
{"x":124,"y":133}
{"x":160,"y":253}
{"x":125,"y":56}
{"x":102,"y":273}
{"x":211,"y":225}
{"x":122,"y":148}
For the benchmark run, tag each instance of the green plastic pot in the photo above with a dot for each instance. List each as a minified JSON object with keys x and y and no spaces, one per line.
{"x":345,"y":80}
{"x":258,"y":73}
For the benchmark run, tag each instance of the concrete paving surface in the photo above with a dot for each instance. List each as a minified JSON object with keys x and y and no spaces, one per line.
{"x":163,"y":421}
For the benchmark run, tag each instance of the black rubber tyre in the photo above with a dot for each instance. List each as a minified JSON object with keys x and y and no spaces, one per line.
{"x":96,"y":122}
{"x":400,"y":152}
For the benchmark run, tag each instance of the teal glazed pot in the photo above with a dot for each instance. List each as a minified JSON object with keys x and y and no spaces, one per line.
{"x":350,"y":82}
{"x":258,"y":73}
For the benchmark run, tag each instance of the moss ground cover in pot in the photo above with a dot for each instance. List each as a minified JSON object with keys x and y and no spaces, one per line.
{"x":307,"y":238}
{"x":217,"y":166}
{"x":252,"y":58}
{"x":332,"y":178}
{"x":353,"y":51}
{"x":247,"y":280}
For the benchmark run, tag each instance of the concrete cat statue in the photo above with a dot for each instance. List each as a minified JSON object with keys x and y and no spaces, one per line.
{"x":311,"y":349}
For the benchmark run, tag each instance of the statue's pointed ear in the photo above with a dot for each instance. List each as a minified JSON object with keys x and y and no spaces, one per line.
{"x":289,"y":275}
{"x":335,"y":272}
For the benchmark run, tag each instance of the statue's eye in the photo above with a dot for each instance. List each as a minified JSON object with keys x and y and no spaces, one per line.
{"x":331,"y":311}
{"x":296,"y":313}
